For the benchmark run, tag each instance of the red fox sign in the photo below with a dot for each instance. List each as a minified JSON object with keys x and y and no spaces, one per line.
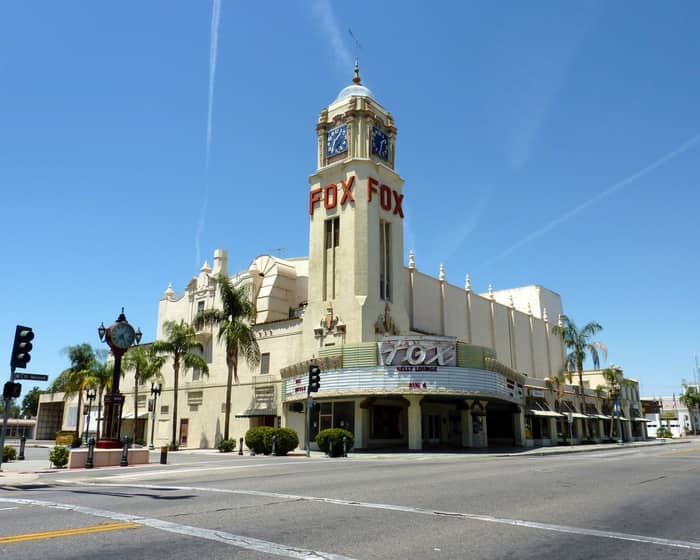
{"x":333,"y":194}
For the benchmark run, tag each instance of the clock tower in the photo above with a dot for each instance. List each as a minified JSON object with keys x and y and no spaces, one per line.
{"x":356,"y":274}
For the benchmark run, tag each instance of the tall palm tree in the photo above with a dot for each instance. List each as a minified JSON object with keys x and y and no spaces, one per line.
{"x":614,"y":378}
{"x":691,"y":399}
{"x":74,"y":379}
{"x":580,"y":346}
{"x":146,"y":363}
{"x":233,"y":322}
{"x":180,"y":343}
{"x":100,"y":378}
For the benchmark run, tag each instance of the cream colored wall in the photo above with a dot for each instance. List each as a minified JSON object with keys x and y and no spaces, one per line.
{"x":505,"y":329}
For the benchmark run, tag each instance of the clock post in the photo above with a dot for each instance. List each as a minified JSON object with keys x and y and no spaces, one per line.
{"x":119,"y":336}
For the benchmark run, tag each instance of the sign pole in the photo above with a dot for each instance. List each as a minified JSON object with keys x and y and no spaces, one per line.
{"x":4,"y":421}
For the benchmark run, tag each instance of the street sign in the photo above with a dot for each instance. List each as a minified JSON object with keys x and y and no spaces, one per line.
{"x":32,"y":376}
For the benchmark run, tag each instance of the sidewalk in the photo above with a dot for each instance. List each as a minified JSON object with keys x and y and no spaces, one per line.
{"x":26,"y":472}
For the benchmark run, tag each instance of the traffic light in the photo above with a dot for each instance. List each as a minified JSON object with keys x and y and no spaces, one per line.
{"x":314,"y":378}
{"x":21,"y":347}
{"x":11,"y":390}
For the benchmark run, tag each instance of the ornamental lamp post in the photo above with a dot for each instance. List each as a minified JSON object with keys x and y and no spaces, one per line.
{"x":90,"y":396}
{"x":155,"y":393}
{"x":119,"y":336}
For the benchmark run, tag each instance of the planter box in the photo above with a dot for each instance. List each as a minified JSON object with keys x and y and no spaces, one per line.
{"x":106,"y":457}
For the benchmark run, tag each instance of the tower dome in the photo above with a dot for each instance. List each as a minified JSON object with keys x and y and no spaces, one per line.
{"x":355,"y":89}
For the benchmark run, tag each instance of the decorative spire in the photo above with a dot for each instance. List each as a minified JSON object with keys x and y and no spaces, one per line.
{"x":529,"y":309}
{"x":510,"y":301}
{"x":545,"y":317}
{"x":491,"y":295}
{"x":468,"y":284}
{"x":356,"y":78}
{"x":560,"y":322}
{"x":411,"y":260}
{"x":441,"y":276}
{"x":205,"y":267}
{"x":169,"y":292}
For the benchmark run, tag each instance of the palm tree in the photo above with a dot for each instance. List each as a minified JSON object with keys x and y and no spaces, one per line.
{"x":691,"y":399}
{"x":233,"y":321}
{"x":146,"y":363}
{"x":581,"y":346}
{"x":180,"y":343}
{"x":74,"y":379}
{"x":614,"y":378}
{"x":100,"y":378}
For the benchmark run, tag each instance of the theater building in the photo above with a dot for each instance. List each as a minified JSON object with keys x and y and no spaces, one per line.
{"x":408,"y":359}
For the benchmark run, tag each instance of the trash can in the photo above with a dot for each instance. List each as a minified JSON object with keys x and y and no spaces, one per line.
{"x":164,"y":455}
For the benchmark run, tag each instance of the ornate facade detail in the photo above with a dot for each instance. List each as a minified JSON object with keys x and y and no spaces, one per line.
{"x":385,"y":323}
{"x":330,"y":324}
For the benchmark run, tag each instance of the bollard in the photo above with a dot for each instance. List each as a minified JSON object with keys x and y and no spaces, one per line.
{"x":90,"y":463}
{"x":345,"y":446}
{"x":274,"y":445}
{"x":125,"y":453}
{"x":22,"y":441}
{"x":163,"y":454}
{"x":240,"y":447}
{"x":330,"y":448}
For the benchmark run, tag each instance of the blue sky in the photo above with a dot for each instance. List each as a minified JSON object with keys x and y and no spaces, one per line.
{"x":551,"y":143}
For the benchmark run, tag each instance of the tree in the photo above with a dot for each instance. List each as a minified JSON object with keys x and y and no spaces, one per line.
{"x":180,"y":343}
{"x":580,"y":345}
{"x":12,"y":411}
{"x":691,"y":399}
{"x":30,"y":402}
{"x":233,"y":322}
{"x":146,"y":363}
{"x":614,"y":378}
{"x":100,"y":378}
{"x":74,"y":379}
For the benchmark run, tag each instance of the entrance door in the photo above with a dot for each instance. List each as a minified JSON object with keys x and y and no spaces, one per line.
{"x":433,"y":431}
{"x":184,"y":425}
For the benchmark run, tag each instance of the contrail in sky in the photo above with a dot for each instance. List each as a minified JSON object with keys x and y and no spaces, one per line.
{"x":684,"y":147}
{"x":213,"y":48}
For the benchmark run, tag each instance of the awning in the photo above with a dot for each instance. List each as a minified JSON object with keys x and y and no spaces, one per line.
{"x":252,"y":412}
{"x":535,"y":412}
{"x":640,"y":419}
{"x":579,"y":415}
{"x":601,"y":416}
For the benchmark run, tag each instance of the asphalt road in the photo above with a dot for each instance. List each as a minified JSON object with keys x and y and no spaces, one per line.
{"x":623,"y":503}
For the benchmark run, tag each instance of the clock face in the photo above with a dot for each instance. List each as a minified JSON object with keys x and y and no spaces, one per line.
{"x":380,"y":143}
{"x":337,"y":140}
{"x":122,"y":335}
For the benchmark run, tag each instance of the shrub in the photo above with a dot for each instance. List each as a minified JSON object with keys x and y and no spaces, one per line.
{"x":287,"y":440}
{"x":59,"y":456}
{"x":255,"y":439}
{"x":8,"y":454}
{"x":331,"y":441}
{"x":227,"y":445}
{"x":663,"y":432}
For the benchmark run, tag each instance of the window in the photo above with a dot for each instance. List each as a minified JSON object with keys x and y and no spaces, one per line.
{"x":385,"y":260}
{"x":72,"y":419}
{"x":264,"y":363}
{"x":164,"y":410}
{"x":332,"y":233}
{"x":200,"y":306}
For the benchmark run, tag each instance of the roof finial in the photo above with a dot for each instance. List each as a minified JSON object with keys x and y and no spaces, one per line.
{"x":356,"y":78}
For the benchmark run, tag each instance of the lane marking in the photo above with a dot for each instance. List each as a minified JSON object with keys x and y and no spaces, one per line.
{"x":68,"y":532}
{"x":452,"y":514}
{"x":230,"y":539}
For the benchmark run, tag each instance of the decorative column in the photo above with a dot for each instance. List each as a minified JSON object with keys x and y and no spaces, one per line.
{"x":415,"y":422}
{"x":511,"y":335}
{"x":441,"y":277}
{"x":468,"y":291}
{"x":466,"y":424}
{"x":545,"y":318}
{"x":531,"y":323}
{"x":492,"y":302}
{"x":411,"y":270}
{"x":519,"y":426}
{"x":361,"y":423}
